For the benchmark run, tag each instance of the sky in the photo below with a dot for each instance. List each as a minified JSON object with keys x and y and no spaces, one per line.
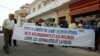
{"x":10,"y":6}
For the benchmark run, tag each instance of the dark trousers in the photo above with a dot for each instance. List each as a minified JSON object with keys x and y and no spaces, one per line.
{"x":96,"y":40}
{"x":8,"y":38}
{"x":14,"y":42}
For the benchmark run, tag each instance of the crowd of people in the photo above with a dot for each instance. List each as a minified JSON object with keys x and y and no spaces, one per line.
{"x":8,"y":26}
{"x":91,"y":24}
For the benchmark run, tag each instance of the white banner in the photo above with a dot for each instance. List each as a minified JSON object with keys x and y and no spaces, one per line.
{"x":57,"y":36}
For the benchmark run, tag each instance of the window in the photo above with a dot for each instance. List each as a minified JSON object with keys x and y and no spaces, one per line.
{"x":46,"y":2}
{"x":33,"y":9}
{"x":39,"y":6}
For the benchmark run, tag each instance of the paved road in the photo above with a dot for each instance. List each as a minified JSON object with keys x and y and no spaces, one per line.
{"x":30,"y":49}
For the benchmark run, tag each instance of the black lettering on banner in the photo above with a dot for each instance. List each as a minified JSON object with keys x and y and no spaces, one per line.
{"x":35,"y":39}
{"x":64,"y":42}
{"x":53,"y":40}
{"x":28,"y":38}
{"x":42,"y":40}
{"x":48,"y":40}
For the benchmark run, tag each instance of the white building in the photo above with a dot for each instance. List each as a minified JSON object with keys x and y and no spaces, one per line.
{"x":22,"y":13}
{"x":49,"y":9}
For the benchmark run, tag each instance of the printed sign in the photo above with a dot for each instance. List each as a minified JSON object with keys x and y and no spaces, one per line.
{"x":56,"y":36}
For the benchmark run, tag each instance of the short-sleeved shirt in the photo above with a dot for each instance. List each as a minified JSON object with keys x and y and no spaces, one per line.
{"x":8,"y":24}
{"x":72,"y":26}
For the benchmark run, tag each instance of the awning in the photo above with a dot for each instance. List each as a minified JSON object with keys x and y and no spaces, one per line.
{"x":85,"y":10}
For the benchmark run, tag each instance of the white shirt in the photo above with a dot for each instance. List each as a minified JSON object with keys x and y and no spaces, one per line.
{"x":8,"y":24}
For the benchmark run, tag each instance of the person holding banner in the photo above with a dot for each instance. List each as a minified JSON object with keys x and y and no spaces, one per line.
{"x":63,"y":24}
{"x":91,"y":25}
{"x":38,"y":22}
{"x":8,"y":26}
{"x":72,"y":25}
{"x":98,"y":37}
{"x":51,"y":23}
{"x":80,"y":25}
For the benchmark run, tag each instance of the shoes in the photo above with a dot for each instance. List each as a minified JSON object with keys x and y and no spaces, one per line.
{"x":64,"y":46}
{"x":7,"y":52}
{"x":50,"y":45}
{"x":4,"y":49}
{"x":15,"y":45}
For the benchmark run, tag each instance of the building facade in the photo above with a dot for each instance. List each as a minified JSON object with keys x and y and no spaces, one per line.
{"x":60,"y":9}
{"x":86,"y":10}
{"x":49,"y":9}
{"x":22,"y":13}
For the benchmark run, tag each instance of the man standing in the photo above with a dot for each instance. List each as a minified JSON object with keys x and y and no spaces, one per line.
{"x":51,"y":23}
{"x":8,"y":26}
{"x":63,"y":24}
{"x":97,"y":38}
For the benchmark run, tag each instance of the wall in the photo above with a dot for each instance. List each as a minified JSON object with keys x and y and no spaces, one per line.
{"x":51,"y":6}
{"x":46,"y":16}
{"x":64,"y":12}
